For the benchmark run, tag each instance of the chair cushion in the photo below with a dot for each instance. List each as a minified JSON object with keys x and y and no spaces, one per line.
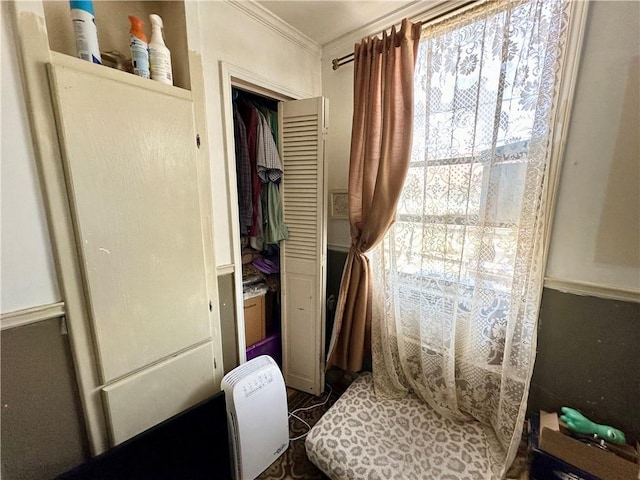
{"x":362,"y":437}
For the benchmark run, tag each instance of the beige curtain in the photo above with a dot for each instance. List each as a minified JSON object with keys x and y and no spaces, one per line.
{"x":380,"y":151}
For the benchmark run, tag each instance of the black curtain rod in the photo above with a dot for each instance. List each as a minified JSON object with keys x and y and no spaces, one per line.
{"x":338,"y":62}
{"x":348,"y":58}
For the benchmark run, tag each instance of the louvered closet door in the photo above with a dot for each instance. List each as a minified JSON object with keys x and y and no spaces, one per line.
{"x":303,"y":130}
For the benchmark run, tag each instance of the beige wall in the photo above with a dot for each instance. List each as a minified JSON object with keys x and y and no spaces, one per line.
{"x":337,"y":86}
{"x":598,"y":210}
{"x":26,"y":261}
{"x":227,"y":34}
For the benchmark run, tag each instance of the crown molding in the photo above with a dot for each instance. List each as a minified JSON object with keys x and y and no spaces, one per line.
{"x":418,"y":11}
{"x":267,"y":18}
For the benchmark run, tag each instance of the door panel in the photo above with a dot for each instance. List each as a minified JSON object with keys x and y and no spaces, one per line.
{"x":303,"y":130}
{"x":135,"y":207}
{"x":302,"y":298}
{"x":146,"y":398}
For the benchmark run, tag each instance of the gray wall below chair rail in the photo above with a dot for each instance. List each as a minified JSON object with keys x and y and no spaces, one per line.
{"x":335,"y":265}
{"x":43,"y":433}
{"x":226,"y":297}
{"x":588,"y":355}
{"x":589,"y":358}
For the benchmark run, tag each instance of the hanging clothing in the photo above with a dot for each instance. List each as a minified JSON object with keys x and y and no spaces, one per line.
{"x":269,"y":168}
{"x":243,"y":172}
{"x":272,"y":120}
{"x":258,"y":178}
{"x":268,"y":164}
{"x":250,"y":116}
{"x":275,"y":229}
{"x":257,"y":241}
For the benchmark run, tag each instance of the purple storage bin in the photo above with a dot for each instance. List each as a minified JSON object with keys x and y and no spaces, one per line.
{"x":269,"y":346}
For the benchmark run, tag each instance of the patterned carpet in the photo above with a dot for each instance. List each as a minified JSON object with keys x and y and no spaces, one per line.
{"x":294,"y":464}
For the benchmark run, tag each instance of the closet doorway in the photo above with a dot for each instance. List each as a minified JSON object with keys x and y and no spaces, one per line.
{"x":278,"y":203}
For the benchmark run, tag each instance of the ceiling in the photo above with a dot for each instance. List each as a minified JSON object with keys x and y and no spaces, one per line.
{"x":324,"y":21}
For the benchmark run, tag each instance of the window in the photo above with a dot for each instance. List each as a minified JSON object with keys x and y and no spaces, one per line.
{"x":466,"y":223}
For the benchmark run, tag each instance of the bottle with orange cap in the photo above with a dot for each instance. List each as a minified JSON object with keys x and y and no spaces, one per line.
{"x":139,"y":48}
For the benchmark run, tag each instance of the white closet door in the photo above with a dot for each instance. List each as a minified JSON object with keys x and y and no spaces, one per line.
{"x":130,"y":163}
{"x":303,"y":131}
{"x":142,"y":400}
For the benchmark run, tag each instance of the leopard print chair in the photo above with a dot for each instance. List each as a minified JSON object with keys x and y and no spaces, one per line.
{"x":362,"y":437}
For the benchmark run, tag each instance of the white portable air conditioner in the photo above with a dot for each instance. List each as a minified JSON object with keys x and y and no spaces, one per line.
{"x":257,"y":415}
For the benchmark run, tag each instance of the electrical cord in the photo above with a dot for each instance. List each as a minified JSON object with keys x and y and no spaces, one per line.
{"x":302,"y":409}
{"x":305,"y":433}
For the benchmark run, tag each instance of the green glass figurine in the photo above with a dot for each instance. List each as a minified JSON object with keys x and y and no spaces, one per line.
{"x":581,"y":424}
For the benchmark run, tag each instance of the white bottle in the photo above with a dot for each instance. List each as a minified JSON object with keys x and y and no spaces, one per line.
{"x":86,"y":32}
{"x":159,"y":55}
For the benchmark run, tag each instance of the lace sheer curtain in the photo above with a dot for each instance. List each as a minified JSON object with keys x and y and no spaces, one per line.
{"x":458,"y":277}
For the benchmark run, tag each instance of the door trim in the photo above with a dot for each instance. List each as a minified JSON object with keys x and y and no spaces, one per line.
{"x":234,"y":76}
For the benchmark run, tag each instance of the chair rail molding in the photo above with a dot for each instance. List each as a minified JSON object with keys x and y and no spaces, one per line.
{"x":338,"y":248}
{"x":27,"y":316}
{"x":226,"y":269}
{"x":592,"y":290}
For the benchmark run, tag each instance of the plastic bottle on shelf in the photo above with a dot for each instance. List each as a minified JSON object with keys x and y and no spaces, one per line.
{"x":139,"y":48}
{"x":159,"y":55}
{"x":86,"y":32}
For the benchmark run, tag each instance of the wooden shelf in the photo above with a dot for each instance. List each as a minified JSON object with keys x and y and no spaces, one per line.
{"x":113,"y":30}
{"x":64,"y":60}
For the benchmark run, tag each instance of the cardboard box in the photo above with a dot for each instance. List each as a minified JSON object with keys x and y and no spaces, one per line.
{"x":254,"y":324}
{"x":559,"y":456}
